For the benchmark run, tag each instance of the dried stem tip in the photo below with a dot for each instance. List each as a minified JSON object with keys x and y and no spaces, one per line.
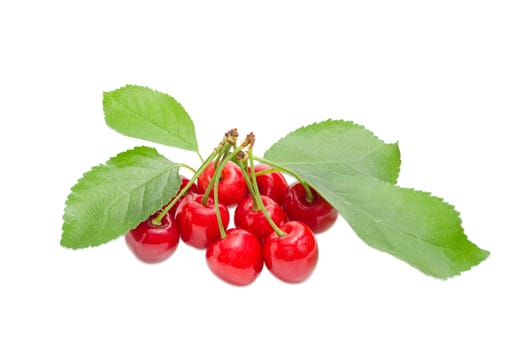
{"x":249,"y":140}
{"x":231,"y":136}
{"x":241,"y":156}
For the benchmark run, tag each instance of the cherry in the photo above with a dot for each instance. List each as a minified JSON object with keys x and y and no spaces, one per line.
{"x":237,"y":258}
{"x":293,"y":257}
{"x":193,"y":189}
{"x":153,"y":243}
{"x":246,"y":217}
{"x":318,"y":214}
{"x":272,"y":185}
{"x":232,"y":186}
{"x":197,"y":222}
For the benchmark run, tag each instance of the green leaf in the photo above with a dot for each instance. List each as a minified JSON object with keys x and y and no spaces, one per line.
{"x":340,"y":147}
{"x":109,"y":200}
{"x":346,"y":164}
{"x":150,"y":115}
{"x":414,"y":226}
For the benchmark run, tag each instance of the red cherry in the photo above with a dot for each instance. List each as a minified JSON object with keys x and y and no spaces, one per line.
{"x":236,"y":259}
{"x":192,"y":190}
{"x":197,"y":223}
{"x":232,"y":186}
{"x":291,"y":258}
{"x":246,"y":217}
{"x":272,"y":185}
{"x":318,"y":214}
{"x":153,"y":243}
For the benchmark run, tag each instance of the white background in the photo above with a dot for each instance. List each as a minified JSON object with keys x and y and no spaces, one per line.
{"x":441,"y":78}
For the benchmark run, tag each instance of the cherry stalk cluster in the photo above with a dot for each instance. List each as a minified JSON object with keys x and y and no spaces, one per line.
{"x":274,"y":222}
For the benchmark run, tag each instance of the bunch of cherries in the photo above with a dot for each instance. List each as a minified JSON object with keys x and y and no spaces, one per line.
{"x":274,"y":222}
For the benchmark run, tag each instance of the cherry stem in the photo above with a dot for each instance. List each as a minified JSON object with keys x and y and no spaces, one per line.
{"x":217,"y":212}
{"x":217,"y":175}
{"x":224,"y":152}
{"x":247,"y":178}
{"x":309,"y":194}
{"x":223,"y":148}
{"x":158,"y":219}
{"x":256,"y":194}
{"x":209,"y":187}
{"x":216,"y":164}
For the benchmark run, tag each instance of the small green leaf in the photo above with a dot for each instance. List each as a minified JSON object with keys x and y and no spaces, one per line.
{"x":337,"y":146}
{"x":109,"y":200}
{"x":150,"y":115}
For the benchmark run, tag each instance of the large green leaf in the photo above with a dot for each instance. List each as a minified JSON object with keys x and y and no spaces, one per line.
{"x":337,"y":146}
{"x":109,"y":200}
{"x":150,"y":115}
{"x":414,"y":226}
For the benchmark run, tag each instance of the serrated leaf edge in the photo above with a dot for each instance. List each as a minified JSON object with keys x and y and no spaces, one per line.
{"x":330,"y":121}
{"x":95,"y":168}
{"x":185,"y":144}
{"x":484,"y":253}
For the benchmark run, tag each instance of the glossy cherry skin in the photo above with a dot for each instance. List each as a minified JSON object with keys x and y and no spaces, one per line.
{"x":197,"y":223}
{"x":318,"y":214}
{"x":291,"y":258}
{"x":236,"y":259}
{"x":153,"y":243}
{"x":254,"y":221}
{"x":192,"y":190}
{"x":232,"y":186}
{"x":272,"y":185}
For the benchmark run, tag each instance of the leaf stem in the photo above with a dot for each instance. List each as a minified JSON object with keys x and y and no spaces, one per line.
{"x":158,"y":219}
{"x":267,"y":171}
{"x":275,"y":227}
{"x":200,"y":156}
{"x":309,"y":194}
{"x":183,"y":165}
